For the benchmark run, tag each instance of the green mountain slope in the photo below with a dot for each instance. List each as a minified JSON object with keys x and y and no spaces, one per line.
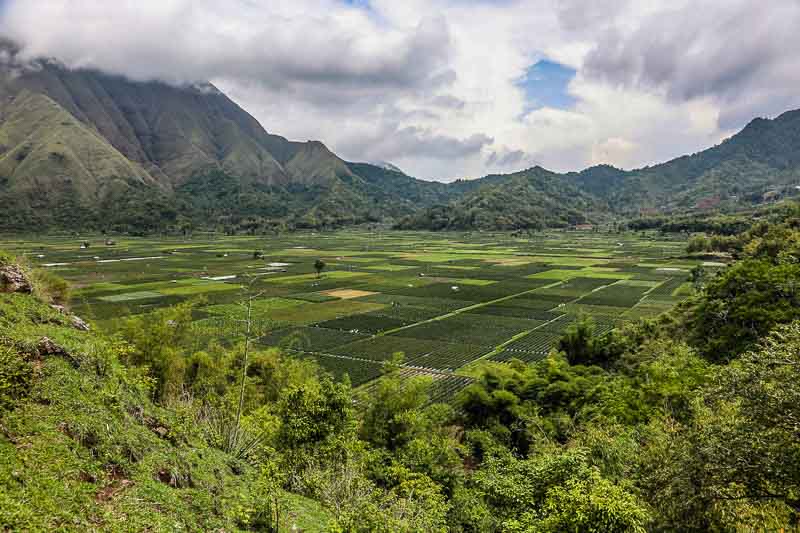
{"x":765,"y":154}
{"x":54,"y":170}
{"x":83,"y":447}
{"x":531,"y":199}
{"x":43,"y":145}
{"x":176,"y":132}
{"x":398,"y":193}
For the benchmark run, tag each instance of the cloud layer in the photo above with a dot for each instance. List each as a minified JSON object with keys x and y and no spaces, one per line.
{"x":434,"y":86}
{"x":742,"y":54}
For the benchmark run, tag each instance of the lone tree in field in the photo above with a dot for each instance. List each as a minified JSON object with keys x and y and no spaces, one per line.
{"x":319,"y":266}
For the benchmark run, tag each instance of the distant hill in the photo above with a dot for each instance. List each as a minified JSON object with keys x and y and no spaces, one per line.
{"x":534,"y":198}
{"x":81,"y":149}
{"x":765,"y":154}
{"x":763,"y":158}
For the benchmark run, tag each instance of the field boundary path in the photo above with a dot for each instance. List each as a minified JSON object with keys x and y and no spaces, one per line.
{"x":461,"y":310}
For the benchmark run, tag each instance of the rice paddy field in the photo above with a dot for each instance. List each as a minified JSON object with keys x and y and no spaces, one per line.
{"x":446,"y":301}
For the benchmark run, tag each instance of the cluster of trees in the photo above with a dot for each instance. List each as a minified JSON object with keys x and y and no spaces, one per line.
{"x":684,"y":422}
{"x":719,"y":225}
{"x":137,"y":212}
{"x":207,"y":200}
{"x":714,"y":238}
{"x":688,"y":421}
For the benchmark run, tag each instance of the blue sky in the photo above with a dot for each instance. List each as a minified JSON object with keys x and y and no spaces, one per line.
{"x":545,"y":85}
{"x":355,"y":3}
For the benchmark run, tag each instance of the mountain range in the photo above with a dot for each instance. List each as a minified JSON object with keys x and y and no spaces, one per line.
{"x":82,"y":149}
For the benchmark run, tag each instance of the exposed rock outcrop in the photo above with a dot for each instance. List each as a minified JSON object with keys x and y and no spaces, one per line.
{"x":74,"y":320}
{"x":78,"y":323}
{"x":13,"y":279}
{"x":46,"y":347}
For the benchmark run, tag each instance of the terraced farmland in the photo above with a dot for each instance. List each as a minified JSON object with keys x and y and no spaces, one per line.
{"x":444,"y":301}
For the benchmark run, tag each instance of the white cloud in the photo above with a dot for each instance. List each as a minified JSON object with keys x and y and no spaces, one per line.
{"x":430,"y":84}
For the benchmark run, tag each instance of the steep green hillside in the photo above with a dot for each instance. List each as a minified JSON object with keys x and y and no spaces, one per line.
{"x":56,"y":171}
{"x":43,"y":147}
{"x":176,"y":132}
{"x":83,"y":446}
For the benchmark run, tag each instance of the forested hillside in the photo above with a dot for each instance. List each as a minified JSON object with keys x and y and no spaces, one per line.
{"x":764,"y":155}
{"x":761,"y":159}
{"x":683,"y":422}
{"x":84,"y":150}
{"x":531,"y":199}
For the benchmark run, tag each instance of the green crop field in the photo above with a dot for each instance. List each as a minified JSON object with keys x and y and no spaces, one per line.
{"x":443,"y":300}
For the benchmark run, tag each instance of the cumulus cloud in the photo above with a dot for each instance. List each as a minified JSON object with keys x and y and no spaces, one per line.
{"x":739,"y":52}
{"x":396,"y":143}
{"x":433,"y":85}
{"x":448,"y":101}
{"x":276,"y":44}
{"x":505,"y":158}
{"x":614,"y":150}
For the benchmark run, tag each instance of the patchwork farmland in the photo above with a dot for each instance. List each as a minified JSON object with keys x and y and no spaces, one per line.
{"x":445,"y":301}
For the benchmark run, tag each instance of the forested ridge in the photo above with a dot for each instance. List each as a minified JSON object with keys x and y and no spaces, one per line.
{"x":82,"y":149}
{"x":688,"y":421}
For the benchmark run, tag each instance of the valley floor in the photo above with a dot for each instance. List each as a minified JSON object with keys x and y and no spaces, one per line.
{"x":445,"y":300}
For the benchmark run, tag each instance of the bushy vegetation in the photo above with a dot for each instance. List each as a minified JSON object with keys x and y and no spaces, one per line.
{"x":720,"y":225}
{"x":687,"y":421}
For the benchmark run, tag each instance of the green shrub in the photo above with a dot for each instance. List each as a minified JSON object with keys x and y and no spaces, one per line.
{"x":15,"y":377}
{"x":49,"y":287}
{"x":5,"y":258}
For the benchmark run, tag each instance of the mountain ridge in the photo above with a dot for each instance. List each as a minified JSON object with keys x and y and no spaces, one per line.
{"x":174,"y":139}
{"x":764,"y":156}
{"x":122,"y":155}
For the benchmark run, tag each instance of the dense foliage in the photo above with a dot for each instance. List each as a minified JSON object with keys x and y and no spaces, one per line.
{"x":684,"y":422}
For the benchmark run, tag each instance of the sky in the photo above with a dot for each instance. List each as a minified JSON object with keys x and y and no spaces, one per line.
{"x":449,"y":89}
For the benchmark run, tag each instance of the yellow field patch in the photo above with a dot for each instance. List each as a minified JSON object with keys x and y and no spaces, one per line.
{"x":348,"y":294}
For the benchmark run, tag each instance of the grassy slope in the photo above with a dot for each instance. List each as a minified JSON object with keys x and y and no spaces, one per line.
{"x":44,"y":147}
{"x":177,"y":132}
{"x":82,"y":446}
{"x":174,"y":132}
